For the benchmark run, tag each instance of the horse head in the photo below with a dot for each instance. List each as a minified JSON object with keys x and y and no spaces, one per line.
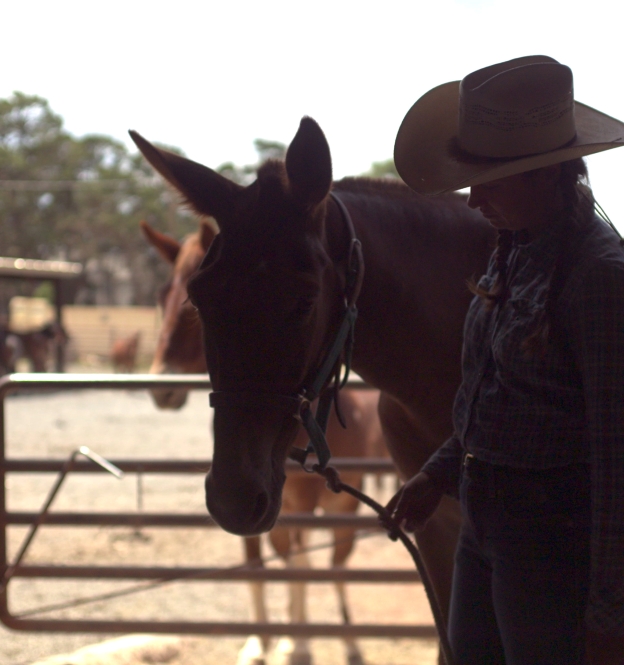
{"x":179,"y":346}
{"x":270,"y":293}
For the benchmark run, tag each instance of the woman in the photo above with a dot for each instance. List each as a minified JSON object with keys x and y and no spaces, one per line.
{"x":537,"y":455}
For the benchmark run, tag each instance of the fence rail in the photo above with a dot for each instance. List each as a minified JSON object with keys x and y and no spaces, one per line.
{"x":11,"y":570}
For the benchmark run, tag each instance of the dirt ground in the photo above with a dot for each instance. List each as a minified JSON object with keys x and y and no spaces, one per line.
{"x":123,"y":424}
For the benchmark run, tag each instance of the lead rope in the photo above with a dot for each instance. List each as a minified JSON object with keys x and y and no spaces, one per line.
{"x":395,"y":533}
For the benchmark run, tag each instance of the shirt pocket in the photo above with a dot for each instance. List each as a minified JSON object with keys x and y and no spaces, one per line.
{"x":517,"y":321}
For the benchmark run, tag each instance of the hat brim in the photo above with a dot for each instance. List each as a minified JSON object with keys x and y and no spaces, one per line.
{"x":425,"y":159}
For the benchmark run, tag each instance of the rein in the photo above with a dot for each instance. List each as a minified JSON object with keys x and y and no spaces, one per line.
{"x":395,"y":533}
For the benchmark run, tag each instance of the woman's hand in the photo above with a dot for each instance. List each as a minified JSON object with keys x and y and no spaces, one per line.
{"x":415,"y":502}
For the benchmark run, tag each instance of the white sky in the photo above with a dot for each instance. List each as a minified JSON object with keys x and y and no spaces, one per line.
{"x":211,"y":76}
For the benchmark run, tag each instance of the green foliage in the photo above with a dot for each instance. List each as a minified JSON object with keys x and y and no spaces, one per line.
{"x":245,"y":175}
{"x":44,"y":290}
{"x":385,"y":169}
{"x":269,"y":150}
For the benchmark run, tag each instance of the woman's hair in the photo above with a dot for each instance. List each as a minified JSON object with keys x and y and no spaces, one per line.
{"x":576,"y":209}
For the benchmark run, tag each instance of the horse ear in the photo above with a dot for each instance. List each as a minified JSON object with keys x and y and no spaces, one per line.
{"x":205,"y":190}
{"x":167,"y":247}
{"x":308,"y":164}
{"x":206,"y":235}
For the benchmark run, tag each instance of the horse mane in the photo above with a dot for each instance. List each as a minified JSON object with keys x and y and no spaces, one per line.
{"x":272,"y":173}
{"x":387,"y":187}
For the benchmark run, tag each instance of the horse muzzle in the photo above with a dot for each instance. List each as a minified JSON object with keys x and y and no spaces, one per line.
{"x":244,"y":486}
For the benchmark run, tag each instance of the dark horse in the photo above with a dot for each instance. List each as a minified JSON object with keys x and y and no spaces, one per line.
{"x":270,"y":294}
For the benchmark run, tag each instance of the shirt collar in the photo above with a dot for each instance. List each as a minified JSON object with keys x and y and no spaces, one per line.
{"x":542,"y":248}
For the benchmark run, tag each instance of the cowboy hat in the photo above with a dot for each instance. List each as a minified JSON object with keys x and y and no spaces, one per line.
{"x":508,"y":118}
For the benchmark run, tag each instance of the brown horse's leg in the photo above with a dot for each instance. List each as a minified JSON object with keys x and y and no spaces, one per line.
{"x":290,"y":544}
{"x":254,"y":652}
{"x":344,"y":539}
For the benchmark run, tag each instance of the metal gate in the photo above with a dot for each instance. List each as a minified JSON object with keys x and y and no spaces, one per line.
{"x":85,"y":461}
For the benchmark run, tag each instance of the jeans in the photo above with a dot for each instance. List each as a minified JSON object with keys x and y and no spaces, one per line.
{"x":521,"y":578}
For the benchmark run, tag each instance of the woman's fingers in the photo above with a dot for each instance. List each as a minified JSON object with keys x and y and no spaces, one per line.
{"x":394,"y":501}
{"x":415,"y":502}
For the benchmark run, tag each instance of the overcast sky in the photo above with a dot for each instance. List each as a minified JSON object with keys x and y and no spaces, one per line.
{"x":210,"y":77}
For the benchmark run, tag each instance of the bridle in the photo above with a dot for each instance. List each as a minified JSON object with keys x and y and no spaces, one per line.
{"x":300,"y":405}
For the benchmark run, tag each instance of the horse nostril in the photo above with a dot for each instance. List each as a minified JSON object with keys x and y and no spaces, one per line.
{"x":243,"y":509}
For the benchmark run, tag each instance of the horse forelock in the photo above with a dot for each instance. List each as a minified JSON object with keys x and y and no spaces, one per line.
{"x":268,"y":217}
{"x":272,"y":178}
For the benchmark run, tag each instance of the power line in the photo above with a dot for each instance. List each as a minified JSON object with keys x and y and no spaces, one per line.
{"x":59,"y":185}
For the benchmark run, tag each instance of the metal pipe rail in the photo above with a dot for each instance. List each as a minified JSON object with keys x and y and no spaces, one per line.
{"x":158,"y":574}
{"x":186,"y":520}
{"x":240,"y":573}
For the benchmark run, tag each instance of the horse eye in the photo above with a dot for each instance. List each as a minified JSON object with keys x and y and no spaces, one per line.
{"x":303,"y":307}
{"x":190,"y":288}
{"x":191,"y":303}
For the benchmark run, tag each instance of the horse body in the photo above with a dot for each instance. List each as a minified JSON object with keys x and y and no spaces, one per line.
{"x":271,"y":293}
{"x":179,"y":350}
{"x":36,"y":346}
{"x":11,"y":350}
{"x":419,"y":254}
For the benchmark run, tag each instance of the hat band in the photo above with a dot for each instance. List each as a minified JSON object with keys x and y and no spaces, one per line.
{"x":485,"y":131}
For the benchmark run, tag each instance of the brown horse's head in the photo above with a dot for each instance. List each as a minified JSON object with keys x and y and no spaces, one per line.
{"x":179,"y":347}
{"x":270,"y":297}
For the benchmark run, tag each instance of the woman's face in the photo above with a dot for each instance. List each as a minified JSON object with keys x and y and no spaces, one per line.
{"x":522,"y":201}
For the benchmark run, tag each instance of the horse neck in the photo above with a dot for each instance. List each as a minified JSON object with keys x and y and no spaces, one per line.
{"x":418,"y":254}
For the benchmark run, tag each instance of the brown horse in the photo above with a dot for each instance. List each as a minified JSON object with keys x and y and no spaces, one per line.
{"x":37,"y":346}
{"x":271,"y":294}
{"x":179,"y":350}
{"x":123,"y":353}
{"x":11,"y":350}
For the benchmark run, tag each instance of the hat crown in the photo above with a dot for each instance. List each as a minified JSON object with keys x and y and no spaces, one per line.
{"x":516,"y":108}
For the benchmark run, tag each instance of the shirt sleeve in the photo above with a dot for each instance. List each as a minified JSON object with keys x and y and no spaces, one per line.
{"x":596,"y":327}
{"x":444,"y":466}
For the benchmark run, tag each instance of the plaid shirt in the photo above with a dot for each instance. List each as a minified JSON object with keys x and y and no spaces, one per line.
{"x":567,"y":406}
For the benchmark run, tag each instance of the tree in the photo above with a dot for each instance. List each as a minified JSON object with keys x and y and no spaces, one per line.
{"x":78,"y":199}
{"x":385,"y":169}
{"x":245,"y":175}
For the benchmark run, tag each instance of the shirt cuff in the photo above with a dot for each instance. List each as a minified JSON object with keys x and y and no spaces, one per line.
{"x":444,"y":467}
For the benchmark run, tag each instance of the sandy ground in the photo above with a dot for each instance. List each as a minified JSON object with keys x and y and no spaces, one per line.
{"x":122,"y":424}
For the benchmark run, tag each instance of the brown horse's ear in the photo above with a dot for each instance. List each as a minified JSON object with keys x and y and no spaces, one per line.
{"x":167,"y":247}
{"x":205,"y":190}
{"x":308,"y":164}
{"x":206,"y":235}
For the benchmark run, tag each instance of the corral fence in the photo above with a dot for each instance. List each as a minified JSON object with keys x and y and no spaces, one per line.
{"x":85,"y":461}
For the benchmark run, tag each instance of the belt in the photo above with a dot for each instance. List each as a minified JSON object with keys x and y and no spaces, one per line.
{"x":473,"y":465}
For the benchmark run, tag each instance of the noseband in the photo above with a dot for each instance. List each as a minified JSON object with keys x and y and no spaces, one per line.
{"x":300,"y":405}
